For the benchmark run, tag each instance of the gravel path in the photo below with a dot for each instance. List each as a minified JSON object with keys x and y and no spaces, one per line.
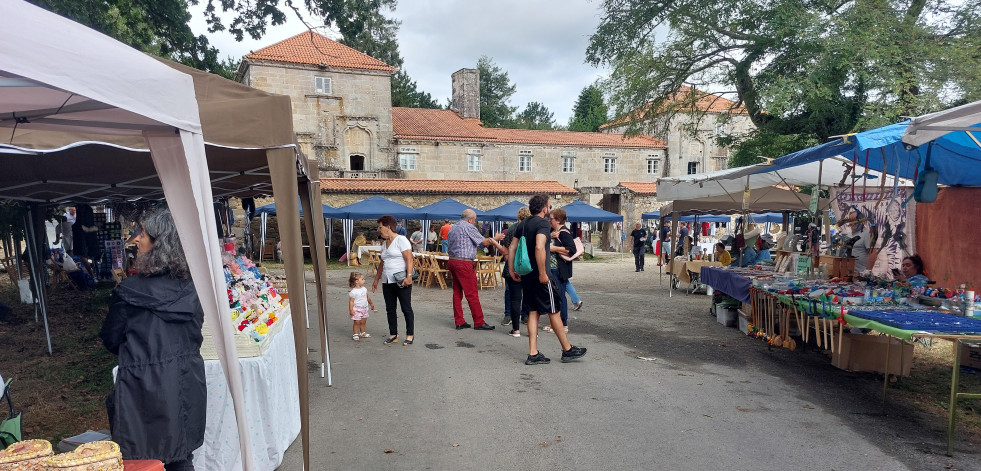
{"x":663,"y":386}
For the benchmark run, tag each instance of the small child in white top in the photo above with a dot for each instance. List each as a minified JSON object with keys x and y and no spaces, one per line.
{"x":358,"y":305}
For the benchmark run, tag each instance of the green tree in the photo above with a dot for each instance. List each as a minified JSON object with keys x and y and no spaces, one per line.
{"x":160,"y":27}
{"x":535,"y":116}
{"x":405,"y":93}
{"x":496,"y":90}
{"x":590,"y":110}
{"x":805,"y":70}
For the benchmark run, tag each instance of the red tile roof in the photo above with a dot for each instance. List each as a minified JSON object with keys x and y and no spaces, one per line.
{"x":640,"y":188}
{"x":472,"y":187}
{"x":446,"y":125}
{"x":703,"y":101}
{"x":315,"y":49}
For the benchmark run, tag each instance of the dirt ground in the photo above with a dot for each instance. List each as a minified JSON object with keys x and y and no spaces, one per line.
{"x":63,"y":394}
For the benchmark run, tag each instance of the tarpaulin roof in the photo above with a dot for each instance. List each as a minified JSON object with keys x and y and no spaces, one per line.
{"x":448,"y":208}
{"x":965,"y":119}
{"x":761,"y":200}
{"x":735,"y":180}
{"x":955,"y":156}
{"x":691,"y":217}
{"x":376,"y":207}
{"x":579,"y":211}
{"x":504,"y":212}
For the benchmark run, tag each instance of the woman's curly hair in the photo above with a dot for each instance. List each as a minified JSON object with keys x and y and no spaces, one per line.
{"x":167,"y":255}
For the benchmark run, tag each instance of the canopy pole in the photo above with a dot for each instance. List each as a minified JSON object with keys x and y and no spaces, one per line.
{"x":674,"y":247}
{"x":282,"y":172}
{"x":35,"y":266}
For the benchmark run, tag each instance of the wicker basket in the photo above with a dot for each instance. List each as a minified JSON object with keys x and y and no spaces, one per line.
{"x":93,"y":456}
{"x":28,"y":455}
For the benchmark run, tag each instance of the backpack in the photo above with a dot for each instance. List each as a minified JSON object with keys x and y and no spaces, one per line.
{"x":579,"y":250}
{"x":522,"y":264}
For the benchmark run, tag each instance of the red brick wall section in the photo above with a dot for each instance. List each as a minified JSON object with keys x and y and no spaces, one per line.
{"x":947,"y":237}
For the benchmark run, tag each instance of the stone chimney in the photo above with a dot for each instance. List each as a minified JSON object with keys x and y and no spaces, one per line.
{"x":466,"y":93}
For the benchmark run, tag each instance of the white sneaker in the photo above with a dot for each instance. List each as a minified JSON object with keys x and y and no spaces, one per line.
{"x":515,"y":333}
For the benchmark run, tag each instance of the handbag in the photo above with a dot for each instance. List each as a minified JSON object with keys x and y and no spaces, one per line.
{"x":579,"y":250}
{"x":522,"y":264}
{"x":399,"y":276}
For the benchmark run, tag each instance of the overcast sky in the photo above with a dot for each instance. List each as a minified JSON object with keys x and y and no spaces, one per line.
{"x":540,"y":43}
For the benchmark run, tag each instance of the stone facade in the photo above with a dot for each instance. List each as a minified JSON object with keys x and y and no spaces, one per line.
{"x":697,"y":152}
{"x":502,"y":161}
{"x":346,"y":126}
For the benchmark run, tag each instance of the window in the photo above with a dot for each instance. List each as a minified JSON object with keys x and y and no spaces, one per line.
{"x":322,"y":85}
{"x":568,"y":164}
{"x":473,"y":163}
{"x":357,"y":162}
{"x":692,"y":168}
{"x":407,"y":161}
{"x":609,"y":165}
{"x":652,"y":166}
{"x":524,"y":163}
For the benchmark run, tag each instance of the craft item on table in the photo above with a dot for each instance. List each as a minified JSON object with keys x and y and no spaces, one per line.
{"x":28,"y":455}
{"x":93,"y":456}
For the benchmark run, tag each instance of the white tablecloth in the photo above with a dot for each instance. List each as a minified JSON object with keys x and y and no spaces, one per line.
{"x":272,"y":405}
{"x":363,"y":250}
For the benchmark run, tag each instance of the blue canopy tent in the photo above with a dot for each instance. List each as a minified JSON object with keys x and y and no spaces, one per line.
{"x":448,"y":208}
{"x":504,"y":212}
{"x":579,"y":211}
{"x":270,"y":210}
{"x":955,"y":156}
{"x":372,"y":208}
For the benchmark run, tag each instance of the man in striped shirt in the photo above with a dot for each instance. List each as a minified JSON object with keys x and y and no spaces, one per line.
{"x":463,"y":240}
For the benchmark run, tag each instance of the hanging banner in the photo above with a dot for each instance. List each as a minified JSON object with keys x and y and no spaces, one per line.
{"x":895,"y":223}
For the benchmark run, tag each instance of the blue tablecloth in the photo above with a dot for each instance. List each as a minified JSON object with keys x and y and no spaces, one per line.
{"x":729,"y":283}
{"x":924,"y":321}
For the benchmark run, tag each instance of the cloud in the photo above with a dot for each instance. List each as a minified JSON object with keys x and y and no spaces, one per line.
{"x":540,"y":43}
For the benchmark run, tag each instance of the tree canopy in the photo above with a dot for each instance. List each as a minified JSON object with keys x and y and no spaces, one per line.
{"x":805,"y":71}
{"x":535,"y":116}
{"x":590,"y":110}
{"x":496,"y":91}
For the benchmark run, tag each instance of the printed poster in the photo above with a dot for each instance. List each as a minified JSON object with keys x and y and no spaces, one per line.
{"x":894,"y":214}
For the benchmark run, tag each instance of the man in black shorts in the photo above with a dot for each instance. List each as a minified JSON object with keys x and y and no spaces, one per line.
{"x":541,"y":292}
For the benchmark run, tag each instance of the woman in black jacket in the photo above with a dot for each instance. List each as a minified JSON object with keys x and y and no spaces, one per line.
{"x":562,"y":244}
{"x":157,"y":409}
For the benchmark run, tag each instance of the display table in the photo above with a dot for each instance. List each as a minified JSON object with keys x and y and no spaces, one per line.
{"x":730,"y":283}
{"x":364,"y":249}
{"x":271,"y":405}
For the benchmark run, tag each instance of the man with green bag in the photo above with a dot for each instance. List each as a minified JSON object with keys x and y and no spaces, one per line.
{"x":540,"y":290}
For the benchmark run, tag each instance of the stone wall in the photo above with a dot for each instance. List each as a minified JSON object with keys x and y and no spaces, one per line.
{"x":449,"y":160}
{"x":354,"y":118}
{"x":481,"y":202}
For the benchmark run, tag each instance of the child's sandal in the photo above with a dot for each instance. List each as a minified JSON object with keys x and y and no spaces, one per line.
{"x":355,"y":337}
{"x":365,"y":335}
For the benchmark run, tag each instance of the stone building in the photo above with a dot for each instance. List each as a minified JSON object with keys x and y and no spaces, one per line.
{"x":343,"y":117}
{"x":342,"y":101}
{"x":690,"y":136}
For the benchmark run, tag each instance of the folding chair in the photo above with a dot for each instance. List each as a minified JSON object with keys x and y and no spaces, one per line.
{"x":486,"y":272}
{"x":10,"y":429}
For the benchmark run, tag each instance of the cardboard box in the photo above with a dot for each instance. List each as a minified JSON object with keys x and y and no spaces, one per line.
{"x":971,"y":355}
{"x":743,"y":321}
{"x":868,"y":353}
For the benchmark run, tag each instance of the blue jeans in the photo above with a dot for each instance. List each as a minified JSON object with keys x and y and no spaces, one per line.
{"x":563,"y":302}
{"x":446,"y":246}
{"x":573,"y":296}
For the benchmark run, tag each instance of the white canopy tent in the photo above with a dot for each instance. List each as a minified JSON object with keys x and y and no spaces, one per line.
{"x":928,"y":127}
{"x":63,"y":86}
{"x":734,"y":181}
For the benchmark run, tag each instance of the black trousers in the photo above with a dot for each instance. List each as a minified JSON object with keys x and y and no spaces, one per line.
{"x":393,"y":293}
{"x":639,"y":258}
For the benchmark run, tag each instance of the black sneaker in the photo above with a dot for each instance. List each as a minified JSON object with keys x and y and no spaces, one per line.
{"x":537,"y":359}
{"x":484,"y":326}
{"x":572,"y":353}
{"x":463,"y":326}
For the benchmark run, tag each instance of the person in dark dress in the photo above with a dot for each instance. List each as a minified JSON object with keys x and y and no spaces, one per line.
{"x":157,"y":408}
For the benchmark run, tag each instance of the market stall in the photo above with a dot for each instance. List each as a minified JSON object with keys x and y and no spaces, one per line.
{"x":123,"y":125}
{"x":448,"y":209}
{"x":372,"y":208}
